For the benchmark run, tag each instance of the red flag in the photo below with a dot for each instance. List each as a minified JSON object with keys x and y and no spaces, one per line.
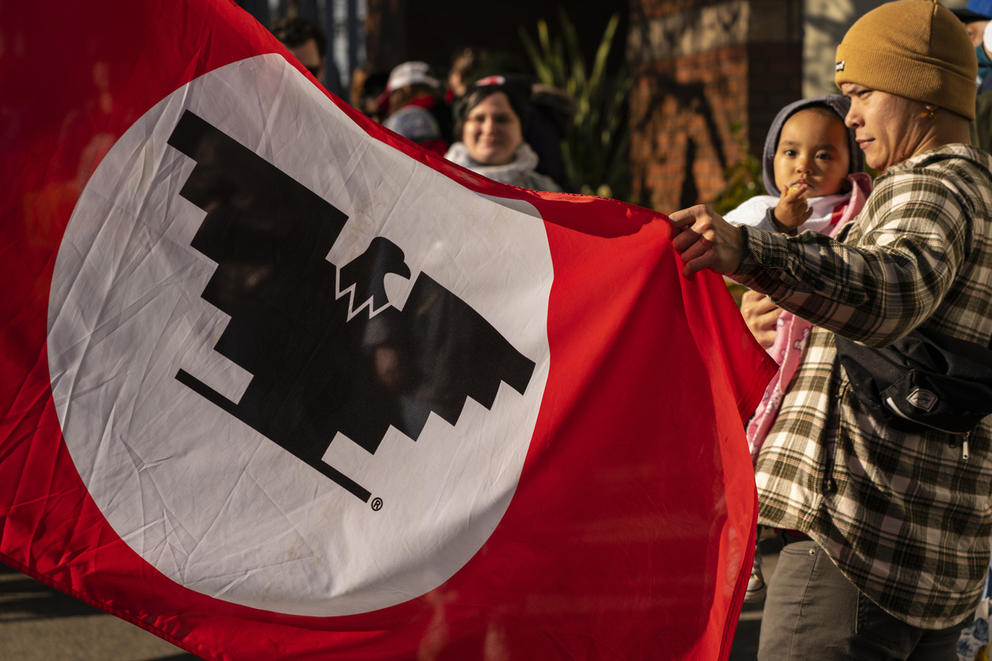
{"x":278,"y":384}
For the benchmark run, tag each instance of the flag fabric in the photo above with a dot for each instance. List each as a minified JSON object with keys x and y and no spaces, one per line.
{"x":276,"y":383}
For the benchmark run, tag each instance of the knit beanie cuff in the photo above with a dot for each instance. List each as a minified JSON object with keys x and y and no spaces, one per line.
{"x":919,"y":78}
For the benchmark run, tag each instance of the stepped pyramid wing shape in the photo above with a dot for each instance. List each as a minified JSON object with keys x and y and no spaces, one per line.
{"x":314,"y":356}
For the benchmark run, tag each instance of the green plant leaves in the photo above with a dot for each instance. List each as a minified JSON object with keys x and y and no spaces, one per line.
{"x":596,"y":148}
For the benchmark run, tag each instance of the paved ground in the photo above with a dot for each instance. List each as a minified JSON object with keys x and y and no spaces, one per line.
{"x":41,"y":624}
{"x":746,"y":639}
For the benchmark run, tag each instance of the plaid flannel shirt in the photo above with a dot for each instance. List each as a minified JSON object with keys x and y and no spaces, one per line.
{"x":905,"y":516}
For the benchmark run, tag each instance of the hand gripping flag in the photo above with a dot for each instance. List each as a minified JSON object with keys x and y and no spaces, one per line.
{"x":276,"y":383}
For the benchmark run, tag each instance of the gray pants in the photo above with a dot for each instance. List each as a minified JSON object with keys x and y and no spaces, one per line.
{"x":813,"y":612}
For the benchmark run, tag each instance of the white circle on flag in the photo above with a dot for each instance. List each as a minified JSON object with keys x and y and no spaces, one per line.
{"x":204,"y":497}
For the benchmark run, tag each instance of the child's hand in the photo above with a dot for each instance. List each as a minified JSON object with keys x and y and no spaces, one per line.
{"x":792,"y":209}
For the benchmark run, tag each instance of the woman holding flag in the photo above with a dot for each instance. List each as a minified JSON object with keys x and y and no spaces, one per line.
{"x":886,"y":521}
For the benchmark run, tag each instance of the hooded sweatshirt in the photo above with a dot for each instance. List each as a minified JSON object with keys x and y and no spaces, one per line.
{"x":759,"y":210}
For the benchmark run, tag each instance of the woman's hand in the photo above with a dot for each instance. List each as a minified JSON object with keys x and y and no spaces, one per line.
{"x":761,"y":315}
{"x":705,"y":240}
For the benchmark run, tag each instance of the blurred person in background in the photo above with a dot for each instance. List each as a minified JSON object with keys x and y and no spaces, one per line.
{"x":981,"y":127}
{"x":549,"y":119}
{"x":975,"y":17}
{"x":413,"y":106}
{"x":489,"y":126}
{"x":304,"y":40}
{"x":460,"y":73}
{"x":366,"y":89}
{"x":469,"y":64}
{"x":550,"y":111}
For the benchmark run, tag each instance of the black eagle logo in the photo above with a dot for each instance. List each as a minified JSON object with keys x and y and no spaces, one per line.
{"x":327,"y":351}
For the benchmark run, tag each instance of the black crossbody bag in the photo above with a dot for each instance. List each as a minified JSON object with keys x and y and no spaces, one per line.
{"x":926,"y":380}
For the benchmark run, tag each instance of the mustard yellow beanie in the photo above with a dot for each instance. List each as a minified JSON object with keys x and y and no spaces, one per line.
{"x":913,"y":48}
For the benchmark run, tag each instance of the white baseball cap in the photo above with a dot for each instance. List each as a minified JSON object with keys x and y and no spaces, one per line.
{"x":411,"y":73}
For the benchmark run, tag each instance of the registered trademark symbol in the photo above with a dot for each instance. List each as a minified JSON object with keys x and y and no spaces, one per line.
{"x":376,"y":504}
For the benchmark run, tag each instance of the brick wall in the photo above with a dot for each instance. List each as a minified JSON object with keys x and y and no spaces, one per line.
{"x":701,"y":67}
